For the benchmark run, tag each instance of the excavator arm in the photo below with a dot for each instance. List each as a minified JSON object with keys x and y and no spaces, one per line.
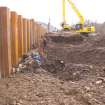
{"x":80,"y":27}
{"x":65,"y":26}
{"x":76,"y":11}
{"x":64,"y":11}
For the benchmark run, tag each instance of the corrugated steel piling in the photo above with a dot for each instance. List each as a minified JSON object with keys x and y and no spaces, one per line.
{"x":17,"y":36}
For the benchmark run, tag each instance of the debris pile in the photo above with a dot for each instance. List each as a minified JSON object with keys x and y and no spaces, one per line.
{"x":29,"y":62}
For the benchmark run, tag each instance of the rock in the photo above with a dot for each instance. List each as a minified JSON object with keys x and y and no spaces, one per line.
{"x":13,"y":70}
{"x":31,"y":62}
{"x":91,"y":67}
{"x":18,"y":104}
{"x":39,"y":95}
{"x":99,"y":82}
{"x":17,"y":70}
{"x":101,"y":78}
{"x":20,"y":65}
{"x":87,"y":89}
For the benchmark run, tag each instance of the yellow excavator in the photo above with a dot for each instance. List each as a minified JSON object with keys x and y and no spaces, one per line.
{"x":81,"y":27}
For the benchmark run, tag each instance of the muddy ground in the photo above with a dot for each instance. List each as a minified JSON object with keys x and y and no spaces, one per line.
{"x":80,"y":80}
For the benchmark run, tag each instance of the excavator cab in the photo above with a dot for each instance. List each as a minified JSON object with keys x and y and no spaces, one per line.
{"x":84,"y":29}
{"x":78,"y":26}
{"x":66,"y":27}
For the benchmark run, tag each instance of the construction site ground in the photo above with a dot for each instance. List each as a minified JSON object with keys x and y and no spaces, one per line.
{"x":80,"y":82}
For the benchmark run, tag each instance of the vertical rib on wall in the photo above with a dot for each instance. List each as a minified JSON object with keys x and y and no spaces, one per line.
{"x":31,"y":34}
{"x":28,"y":34}
{"x":20,"y":35}
{"x":25,"y":35}
{"x":5,"y":47}
{"x":14,"y":38}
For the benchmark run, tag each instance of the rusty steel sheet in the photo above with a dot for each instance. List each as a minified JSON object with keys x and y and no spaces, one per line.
{"x":0,"y":49}
{"x":25,"y":35}
{"x":31,"y":33}
{"x":35,"y":33}
{"x":28,"y":35}
{"x":20,"y":36}
{"x":17,"y":36}
{"x":14,"y":38}
{"x":39,"y":34}
{"x":5,"y":42}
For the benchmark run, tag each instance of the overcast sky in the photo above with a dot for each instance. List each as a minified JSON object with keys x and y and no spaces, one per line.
{"x":40,"y":10}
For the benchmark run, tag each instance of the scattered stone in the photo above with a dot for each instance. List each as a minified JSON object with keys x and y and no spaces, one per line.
{"x":87,"y":89}
{"x":99,"y":82}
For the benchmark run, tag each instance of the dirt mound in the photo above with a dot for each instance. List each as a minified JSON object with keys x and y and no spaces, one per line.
{"x":95,"y":56}
{"x":100,"y":42}
{"x":74,"y":39}
{"x":74,"y":72}
{"x":44,"y":89}
{"x":78,"y":72}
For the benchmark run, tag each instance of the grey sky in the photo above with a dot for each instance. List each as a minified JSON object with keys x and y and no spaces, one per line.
{"x":41,"y":9}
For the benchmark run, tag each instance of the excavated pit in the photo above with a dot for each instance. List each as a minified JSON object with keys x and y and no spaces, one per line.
{"x":73,"y":74}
